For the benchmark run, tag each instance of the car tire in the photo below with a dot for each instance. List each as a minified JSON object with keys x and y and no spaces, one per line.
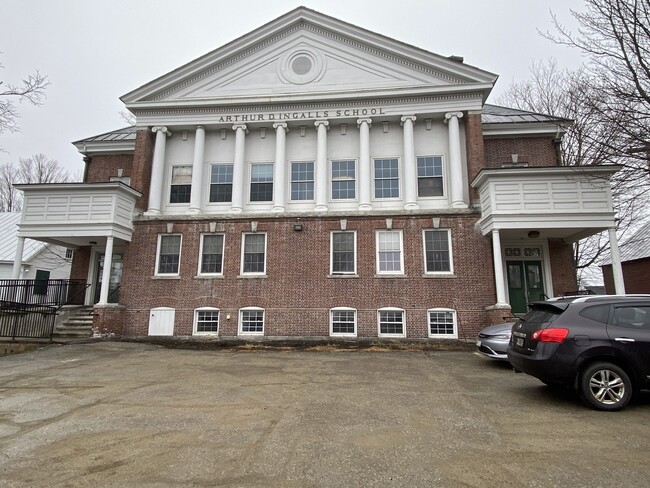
{"x":605,"y":386}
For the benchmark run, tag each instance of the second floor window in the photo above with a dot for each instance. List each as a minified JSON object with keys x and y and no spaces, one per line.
{"x":430,"y":183}
{"x":343,"y":180}
{"x":302,"y":180}
{"x":261,"y":182}
{"x":221,"y":183}
{"x":254,"y":254}
{"x":169,"y":254}
{"x":343,"y":253}
{"x":386,"y":178}
{"x":389,"y":252}
{"x":212,"y":254}
{"x":181,"y":184}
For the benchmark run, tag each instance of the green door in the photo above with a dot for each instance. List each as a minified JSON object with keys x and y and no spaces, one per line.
{"x":525,"y":284}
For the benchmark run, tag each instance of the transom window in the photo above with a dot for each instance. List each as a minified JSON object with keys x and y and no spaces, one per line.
{"x":343,"y":321}
{"x":437,"y":251}
{"x":386,"y":178}
{"x":430,"y":181}
{"x":390,"y":259}
{"x":254,"y":254}
{"x":206,"y":321}
{"x":169,"y":254}
{"x":221,"y":183}
{"x":343,"y":257}
{"x":251,"y":321}
{"x":261,"y":182}
{"x":442,"y":323}
{"x":211,"y":254}
{"x":391,"y":322}
{"x":343,"y":180}
{"x":302,"y":180}
{"x":181,"y":186}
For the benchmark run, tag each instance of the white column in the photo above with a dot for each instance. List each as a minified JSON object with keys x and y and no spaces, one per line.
{"x":238,"y":186}
{"x":157,"y":171}
{"x":321,"y":165}
{"x":365,"y":171}
{"x":279,"y":182}
{"x":196,"y":195}
{"x":18,"y":260}
{"x":498,"y":268}
{"x":617,"y":269}
{"x":455,"y":161}
{"x":106,"y":272}
{"x":410,"y":175}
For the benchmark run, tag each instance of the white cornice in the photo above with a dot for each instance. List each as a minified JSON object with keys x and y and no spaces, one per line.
{"x":522,"y":129}
{"x":485,"y":175}
{"x":105,"y":147}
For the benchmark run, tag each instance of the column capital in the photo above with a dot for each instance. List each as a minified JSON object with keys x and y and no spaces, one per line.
{"x":200,"y":127}
{"x":161,"y":128}
{"x":240,"y":126}
{"x":322,"y":122}
{"x":405,"y":118}
{"x":449,"y":115}
{"x":281,"y":125}
{"x":366,"y":120}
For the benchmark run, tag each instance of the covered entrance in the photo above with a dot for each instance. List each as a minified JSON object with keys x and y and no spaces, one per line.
{"x":115,"y":278}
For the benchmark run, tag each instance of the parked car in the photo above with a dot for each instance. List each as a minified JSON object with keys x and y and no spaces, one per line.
{"x":493,"y":341}
{"x":598,"y":345}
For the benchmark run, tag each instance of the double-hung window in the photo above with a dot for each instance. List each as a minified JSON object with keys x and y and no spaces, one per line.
{"x":302,"y":180}
{"x":221,"y":183}
{"x":390,"y":258}
{"x":391,"y":322}
{"x":206,"y":320}
{"x":343,"y":255}
{"x":211,"y":254}
{"x":251,"y":321}
{"x":261,"y":182}
{"x":430,"y":180}
{"x":343,"y":322}
{"x":386,"y":178}
{"x":343,"y":180}
{"x":181,"y":185}
{"x":169,"y":254}
{"x":442,"y":323}
{"x":254,"y":254}
{"x":437,"y":251}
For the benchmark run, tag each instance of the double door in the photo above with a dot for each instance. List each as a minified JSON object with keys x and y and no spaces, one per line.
{"x":525,"y":284}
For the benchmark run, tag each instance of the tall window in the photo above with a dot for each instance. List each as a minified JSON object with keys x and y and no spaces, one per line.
{"x":251,"y":320}
{"x":302,"y":180}
{"x":343,"y":180}
{"x":430,"y":183}
{"x":390,"y":259}
{"x":254,"y":254}
{"x":221,"y":183}
{"x":181,"y":184}
{"x":343,"y":321}
{"x":169,"y":254}
{"x":262,"y":182}
{"x":386,"y":178}
{"x":437,"y":251}
{"x":442,"y":323}
{"x":211,"y":254}
{"x":206,"y":320}
{"x":391,"y":322}
{"x":343,"y":257}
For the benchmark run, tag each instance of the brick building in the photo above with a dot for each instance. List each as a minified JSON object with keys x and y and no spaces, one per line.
{"x":312,"y":178}
{"x":635,"y":261}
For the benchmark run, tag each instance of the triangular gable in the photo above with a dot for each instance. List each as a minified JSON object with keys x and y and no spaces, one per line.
{"x":305,"y":52}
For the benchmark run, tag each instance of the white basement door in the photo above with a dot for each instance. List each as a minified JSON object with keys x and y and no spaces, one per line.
{"x":161,"y":321}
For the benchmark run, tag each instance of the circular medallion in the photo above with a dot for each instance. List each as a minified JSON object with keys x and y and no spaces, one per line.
{"x":302,"y":65}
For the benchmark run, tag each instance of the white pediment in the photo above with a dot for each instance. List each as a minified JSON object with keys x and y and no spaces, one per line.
{"x":305,"y":54}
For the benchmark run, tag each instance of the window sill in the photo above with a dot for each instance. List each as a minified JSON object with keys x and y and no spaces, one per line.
{"x":342,"y":335}
{"x":206,"y":334}
{"x":342,"y":275}
{"x":165,"y":277}
{"x":249,"y":276}
{"x":251,"y":334}
{"x":379,"y":275}
{"x":391,"y":336}
{"x":444,"y":336}
{"x":209,"y":277}
{"x":439,"y":275}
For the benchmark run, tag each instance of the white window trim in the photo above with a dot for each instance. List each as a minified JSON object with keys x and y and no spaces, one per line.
{"x":251,"y":309}
{"x":169,"y":184}
{"x":401,"y":244}
{"x":391,"y":309}
{"x":206,"y":190}
{"x":342,"y":309}
{"x":241,"y":268}
{"x":250,"y":182}
{"x":180,"y":255}
{"x":223,"y":252}
{"x":311,"y":200}
{"x":331,"y":180}
{"x":451,"y":254}
{"x":338,"y":273}
{"x":400,"y":179}
{"x":443,"y":336}
{"x":445,"y":193}
{"x":196,"y":320}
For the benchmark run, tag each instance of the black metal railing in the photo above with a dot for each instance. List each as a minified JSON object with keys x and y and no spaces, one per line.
{"x":42,"y":292}
{"x":27,"y":321}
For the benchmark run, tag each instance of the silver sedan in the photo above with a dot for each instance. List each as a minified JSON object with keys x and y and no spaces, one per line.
{"x":493,"y":341}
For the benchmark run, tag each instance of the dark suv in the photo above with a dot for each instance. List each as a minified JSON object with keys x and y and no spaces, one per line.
{"x":599,"y":345}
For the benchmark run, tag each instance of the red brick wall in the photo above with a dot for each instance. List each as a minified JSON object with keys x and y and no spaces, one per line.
{"x":536,"y":151}
{"x":298,"y":294}
{"x":636,"y":276}
{"x":142,"y":161}
{"x":102,"y":167}
{"x":475,"y":149}
{"x":562,"y":267}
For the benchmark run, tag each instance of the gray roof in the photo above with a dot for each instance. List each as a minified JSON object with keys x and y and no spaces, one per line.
{"x":9,"y":238}
{"x":637,"y":246}
{"x":494,"y":114}
{"x":119,"y":135}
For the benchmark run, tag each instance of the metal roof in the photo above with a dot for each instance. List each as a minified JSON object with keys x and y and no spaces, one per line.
{"x":495,"y":114}
{"x":9,"y":238}
{"x":637,"y":246}
{"x":119,"y":135}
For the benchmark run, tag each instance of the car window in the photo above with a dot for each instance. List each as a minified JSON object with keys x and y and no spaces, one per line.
{"x":634,"y":317}
{"x":599,"y":313}
{"x":542,"y":315}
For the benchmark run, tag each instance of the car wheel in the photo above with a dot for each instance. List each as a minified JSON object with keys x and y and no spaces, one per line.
{"x":605,"y":386}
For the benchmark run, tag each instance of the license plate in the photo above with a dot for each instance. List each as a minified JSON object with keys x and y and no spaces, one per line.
{"x":519,"y":342}
{"x":478,"y":343}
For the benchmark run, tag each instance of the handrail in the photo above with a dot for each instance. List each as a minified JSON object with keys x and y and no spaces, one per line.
{"x":42,"y":292}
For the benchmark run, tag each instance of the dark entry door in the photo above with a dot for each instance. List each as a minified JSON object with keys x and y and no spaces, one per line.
{"x":115,"y":279}
{"x":525,"y":284}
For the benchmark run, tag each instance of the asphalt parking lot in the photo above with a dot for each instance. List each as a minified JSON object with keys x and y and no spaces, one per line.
{"x":122,"y":414}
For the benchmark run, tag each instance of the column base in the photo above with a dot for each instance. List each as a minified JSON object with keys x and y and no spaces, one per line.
{"x":499,"y":313}
{"x":194,"y":211}
{"x":411,"y":206}
{"x":365,"y":206}
{"x":278,"y":209}
{"x":320,"y":208}
{"x":152,"y":211}
{"x":458,"y":205}
{"x":236,"y":210}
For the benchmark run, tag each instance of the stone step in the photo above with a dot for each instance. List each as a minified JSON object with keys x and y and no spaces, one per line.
{"x":73,"y":332}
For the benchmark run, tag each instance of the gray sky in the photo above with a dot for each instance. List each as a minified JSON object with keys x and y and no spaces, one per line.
{"x":93,"y":52}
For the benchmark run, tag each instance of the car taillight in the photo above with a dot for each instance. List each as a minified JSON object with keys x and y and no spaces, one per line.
{"x":550,"y":335}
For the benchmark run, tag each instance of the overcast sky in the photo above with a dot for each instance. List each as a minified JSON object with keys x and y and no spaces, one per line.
{"x":96,"y":51}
